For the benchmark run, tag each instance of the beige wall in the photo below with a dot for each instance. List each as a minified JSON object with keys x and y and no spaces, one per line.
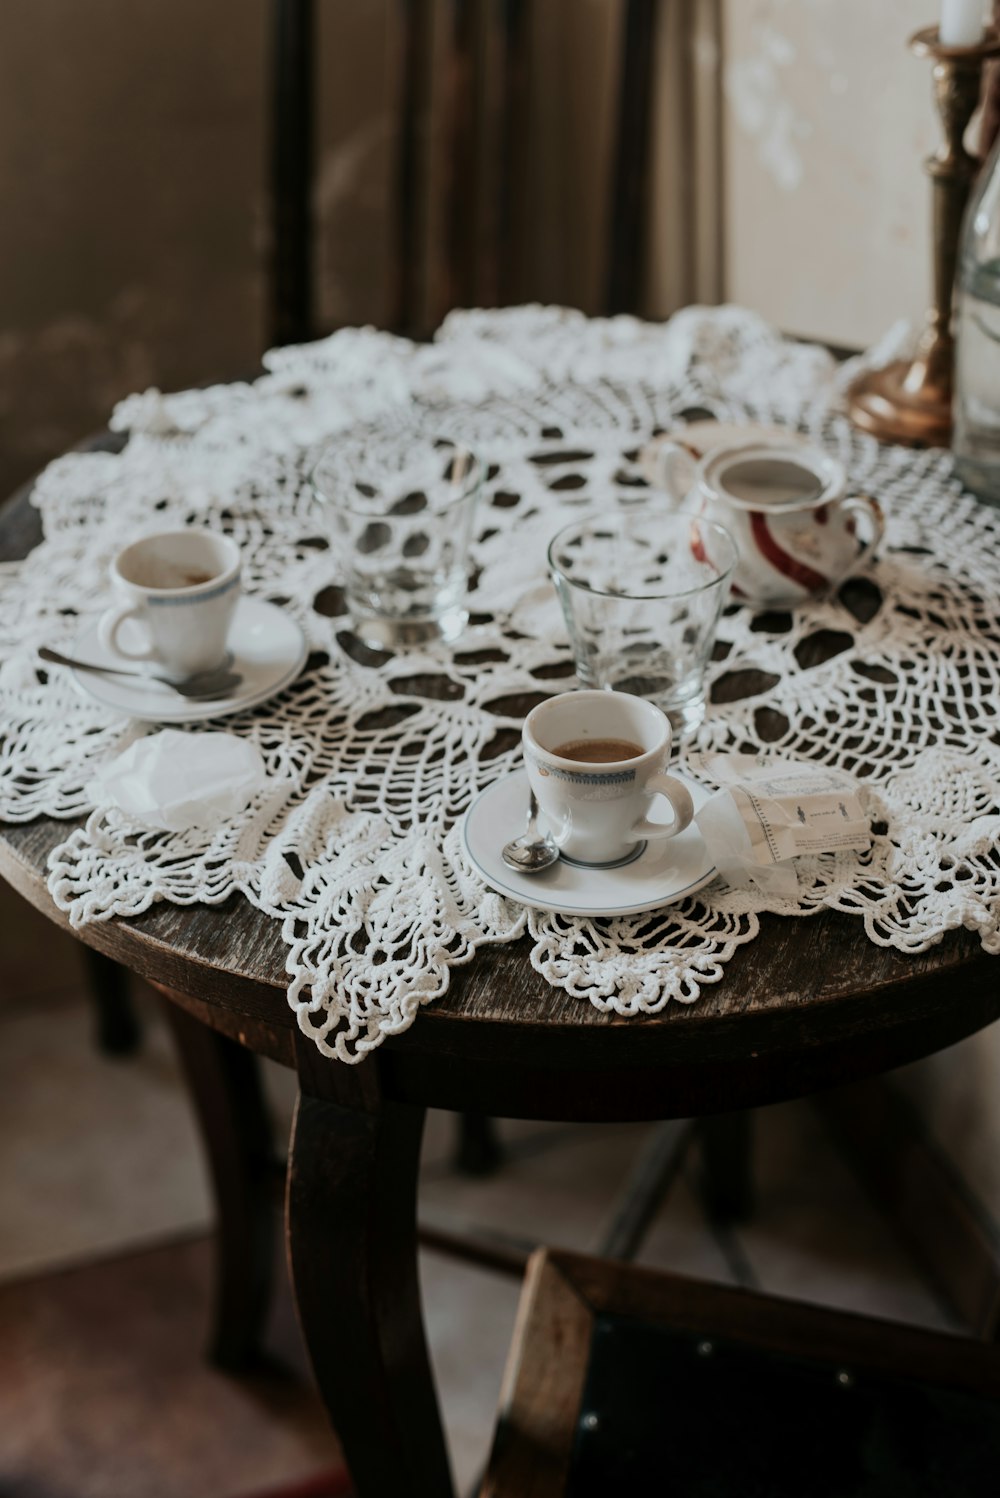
{"x":130,"y":184}
{"x":828,"y":117}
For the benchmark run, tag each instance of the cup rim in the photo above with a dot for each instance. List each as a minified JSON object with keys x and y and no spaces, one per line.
{"x":828,"y":470}
{"x":669,"y":517}
{"x":604,"y":765}
{"x":465,"y":488}
{"x":194,"y":589}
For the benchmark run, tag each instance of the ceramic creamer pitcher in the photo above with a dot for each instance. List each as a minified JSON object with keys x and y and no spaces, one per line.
{"x":798,"y":532}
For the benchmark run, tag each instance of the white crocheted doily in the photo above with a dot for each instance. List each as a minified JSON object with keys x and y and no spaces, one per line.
{"x":353,"y":845}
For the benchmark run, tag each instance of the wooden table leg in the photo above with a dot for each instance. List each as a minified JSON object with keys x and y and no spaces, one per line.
{"x":477,"y":1150}
{"x":117,"y":1024}
{"x":653,"y":1172}
{"x":352,"y":1246}
{"x":727,"y":1165}
{"x":225,"y":1085}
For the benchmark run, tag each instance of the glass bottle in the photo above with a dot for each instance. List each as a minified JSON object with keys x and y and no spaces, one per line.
{"x":976,"y":432}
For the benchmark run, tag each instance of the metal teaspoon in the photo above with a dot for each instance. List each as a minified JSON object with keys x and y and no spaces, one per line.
{"x":205,"y":684}
{"x":533,"y":851}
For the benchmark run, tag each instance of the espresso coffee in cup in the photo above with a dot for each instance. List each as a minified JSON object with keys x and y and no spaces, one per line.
{"x":596,"y":761}
{"x":598,"y":751}
{"x":178,"y":591}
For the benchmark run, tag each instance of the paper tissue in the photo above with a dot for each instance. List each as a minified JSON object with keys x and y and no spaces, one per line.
{"x":174,"y":780}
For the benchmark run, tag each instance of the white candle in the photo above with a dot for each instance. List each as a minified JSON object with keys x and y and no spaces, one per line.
{"x":961,"y":23}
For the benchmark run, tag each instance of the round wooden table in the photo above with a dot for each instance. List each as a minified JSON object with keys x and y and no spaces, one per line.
{"x":809,"y":1005}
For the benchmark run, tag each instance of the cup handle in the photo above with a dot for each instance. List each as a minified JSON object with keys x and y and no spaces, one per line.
{"x":680,"y":804}
{"x":111,"y":623}
{"x":672,"y":468}
{"x":865,"y":504}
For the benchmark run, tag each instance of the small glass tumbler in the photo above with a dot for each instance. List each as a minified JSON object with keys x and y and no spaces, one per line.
{"x":398,"y":508}
{"x":641,"y":592}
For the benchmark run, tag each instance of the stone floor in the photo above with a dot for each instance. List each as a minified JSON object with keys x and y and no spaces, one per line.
{"x":103,"y":1391}
{"x":104,"y":1209}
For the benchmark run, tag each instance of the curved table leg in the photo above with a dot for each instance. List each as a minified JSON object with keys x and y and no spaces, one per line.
{"x":225,"y":1086}
{"x":477,"y":1151}
{"x":352,"y":1246}
{"x":727,"y":1184}
{"x":117,"y":1023}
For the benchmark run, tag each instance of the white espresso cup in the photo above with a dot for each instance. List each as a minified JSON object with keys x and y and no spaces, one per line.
{"x":178,"y":590}
{"x":596,"y":810}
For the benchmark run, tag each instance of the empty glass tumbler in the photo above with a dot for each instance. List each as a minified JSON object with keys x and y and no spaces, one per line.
{"x":641,"y":592}
{"x":398,"y":509}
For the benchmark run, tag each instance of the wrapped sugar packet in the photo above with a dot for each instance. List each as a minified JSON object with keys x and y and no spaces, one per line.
{"x":173,"y":780}
{"x":764,"y":815}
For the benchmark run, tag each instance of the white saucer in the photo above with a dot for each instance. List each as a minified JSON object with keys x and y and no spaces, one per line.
{"x":268,"y":649}
{"x":663,"y":873}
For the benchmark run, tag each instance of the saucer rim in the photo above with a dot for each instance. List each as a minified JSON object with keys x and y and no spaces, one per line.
{"x":186,"y":710}
{"x":563,"y":908}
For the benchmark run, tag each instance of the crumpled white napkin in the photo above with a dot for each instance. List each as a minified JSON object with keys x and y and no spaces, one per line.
{"x":174,"y":780}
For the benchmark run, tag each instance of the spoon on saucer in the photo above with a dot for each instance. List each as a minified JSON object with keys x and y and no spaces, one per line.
{"x":218,"y":683}
{"x":533,"y":851}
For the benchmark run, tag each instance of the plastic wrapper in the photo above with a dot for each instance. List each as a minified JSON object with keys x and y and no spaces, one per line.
{"x":765,"y":815}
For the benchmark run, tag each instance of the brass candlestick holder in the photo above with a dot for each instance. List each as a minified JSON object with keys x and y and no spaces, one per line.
{"x":909,"y":401}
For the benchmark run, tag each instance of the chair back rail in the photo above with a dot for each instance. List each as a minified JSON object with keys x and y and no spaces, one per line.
{"x":626,"y":1379}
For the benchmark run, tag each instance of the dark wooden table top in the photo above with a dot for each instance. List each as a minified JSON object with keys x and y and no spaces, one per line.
{"x":810,"y":1002}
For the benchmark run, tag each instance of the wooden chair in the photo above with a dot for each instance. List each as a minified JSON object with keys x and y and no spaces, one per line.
{"x":624,"y":1380}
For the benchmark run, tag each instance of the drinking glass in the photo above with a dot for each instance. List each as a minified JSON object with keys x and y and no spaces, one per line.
{"x":641,"y":591}
{"x":398,"y":508}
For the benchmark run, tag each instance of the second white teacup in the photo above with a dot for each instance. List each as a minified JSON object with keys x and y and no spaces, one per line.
{"x":178,"y":590}
{"x":595,"y":761}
